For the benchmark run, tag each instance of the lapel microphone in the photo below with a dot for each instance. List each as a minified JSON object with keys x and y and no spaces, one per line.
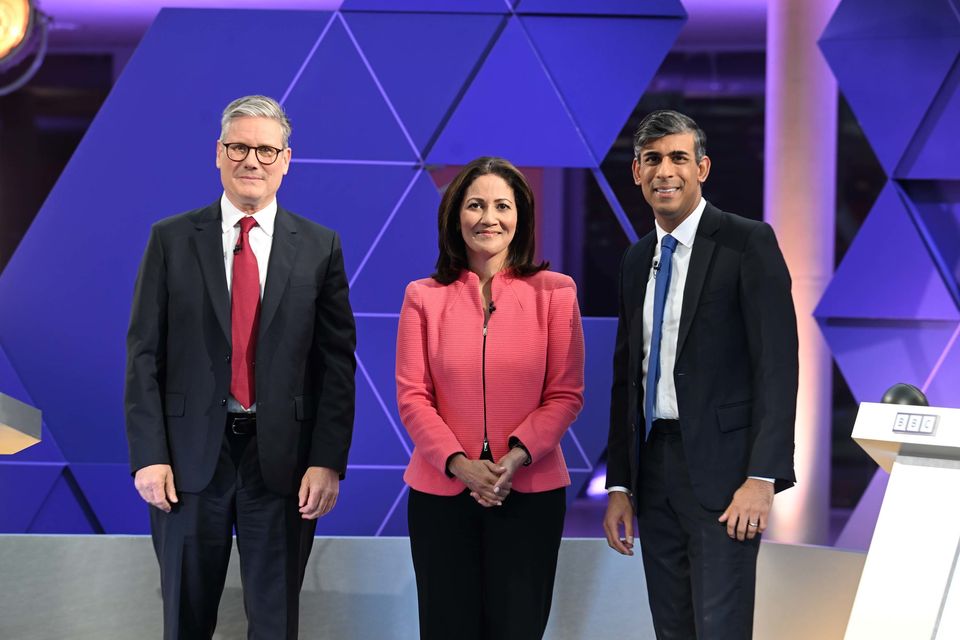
{"x":491,"y":307}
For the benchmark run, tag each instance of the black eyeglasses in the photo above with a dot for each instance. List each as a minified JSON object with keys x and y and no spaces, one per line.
{"x":238,"y":152}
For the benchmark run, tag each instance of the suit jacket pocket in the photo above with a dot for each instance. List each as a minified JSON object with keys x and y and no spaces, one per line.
{"x":305,"y":407}
{"x":734,"y":416}
{"x":173,"y":404}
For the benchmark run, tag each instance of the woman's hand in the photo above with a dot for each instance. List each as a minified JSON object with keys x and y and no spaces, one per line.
{"x":481,"y":477}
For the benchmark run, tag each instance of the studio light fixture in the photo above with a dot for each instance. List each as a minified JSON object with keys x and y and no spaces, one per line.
{"x":23,"y":31}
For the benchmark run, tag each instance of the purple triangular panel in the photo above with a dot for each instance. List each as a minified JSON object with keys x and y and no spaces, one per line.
{"x":594,"y":64}
{"x":424,"y":76}
{"x":937,"y":206}
{"x":407,"y":251}
{"x":396,"y":524}
{"x":63,"y":511}
{"x":354,"y":200}
{"x":66,"y":292}
{"x":512,"y":110}
{"x":46,"y":450}
{"x":897,"y":18}
{"x":590,"y":427}
{"x":931,"y":156}
{"x":889,"y":84}
{"x":337,"y":110}
{"x":367,"y":498}
{"x":887,"y":272}
{"x":944,"y":387}
{"x":874,"y":356}
{"x":434,"y":6}
{"x":109,"y":490}
{"x":377,"y":347}
{"x":858,"y":532}
{"x":23,"y":489}
{"x":671,"y":8}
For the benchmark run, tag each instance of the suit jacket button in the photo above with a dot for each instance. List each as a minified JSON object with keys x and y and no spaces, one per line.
{"x":227,"y":358}
{"x":223,"y":402}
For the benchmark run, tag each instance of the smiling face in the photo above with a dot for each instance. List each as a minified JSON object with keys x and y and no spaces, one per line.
{"x":249,"y":184}
{"x":670,"y":177}
{"x":488,"y":219}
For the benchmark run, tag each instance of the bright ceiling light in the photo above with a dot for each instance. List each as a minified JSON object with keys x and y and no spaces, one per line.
{"x":16,"y":20}
{"x":23,"y":30}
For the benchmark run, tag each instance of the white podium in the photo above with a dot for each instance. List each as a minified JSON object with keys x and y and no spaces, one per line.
{"x":910,"y":587}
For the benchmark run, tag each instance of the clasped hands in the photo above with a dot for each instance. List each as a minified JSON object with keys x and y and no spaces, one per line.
{"x":489,"y":483}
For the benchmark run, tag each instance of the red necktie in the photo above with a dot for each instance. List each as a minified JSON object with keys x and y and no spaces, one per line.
{"x":244,"y":316}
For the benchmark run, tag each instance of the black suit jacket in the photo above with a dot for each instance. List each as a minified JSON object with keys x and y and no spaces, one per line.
{"x":179,"y":347}
{"x":736,"y":366}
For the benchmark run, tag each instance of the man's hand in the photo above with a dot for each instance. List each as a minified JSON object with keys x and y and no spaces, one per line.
{"x":319,"y":489}
{"x":619,"y":511}
{"x":154,"y":483}
{"x":747,"y":514}
{"x":480,"y":476}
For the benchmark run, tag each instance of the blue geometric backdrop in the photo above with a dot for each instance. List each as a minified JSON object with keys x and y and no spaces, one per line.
{"x":379,"y":93}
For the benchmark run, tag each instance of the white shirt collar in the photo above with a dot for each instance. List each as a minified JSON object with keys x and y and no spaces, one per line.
{"x":230,"y":215}
{"x":686,"y":231}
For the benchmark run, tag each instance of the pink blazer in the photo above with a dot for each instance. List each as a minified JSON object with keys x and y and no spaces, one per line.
{"x":534,"y":375}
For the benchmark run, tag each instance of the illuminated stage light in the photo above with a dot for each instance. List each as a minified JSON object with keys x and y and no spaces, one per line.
{"x":23,"y":30}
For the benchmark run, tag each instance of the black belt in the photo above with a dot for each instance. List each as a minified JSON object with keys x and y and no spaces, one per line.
{"x":242,"y":424}
{"x":666,"y":427}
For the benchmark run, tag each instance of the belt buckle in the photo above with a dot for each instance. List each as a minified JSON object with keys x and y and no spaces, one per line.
{"x":239,"y":425}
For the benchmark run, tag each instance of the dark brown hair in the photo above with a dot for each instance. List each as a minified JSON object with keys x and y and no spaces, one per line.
{"x":453,"y":250}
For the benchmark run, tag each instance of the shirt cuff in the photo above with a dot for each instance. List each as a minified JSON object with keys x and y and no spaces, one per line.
{"x":617,"y":489}
{"x":770,"y":480}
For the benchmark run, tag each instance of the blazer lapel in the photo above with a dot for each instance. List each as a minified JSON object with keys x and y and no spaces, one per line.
{"x":282,"y":254}
{"x":703,"y":249}
{"x":638,"y":282}
{"x":208,"y":244}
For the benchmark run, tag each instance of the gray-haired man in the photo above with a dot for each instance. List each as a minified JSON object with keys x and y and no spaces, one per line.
{"x":240,"y":385}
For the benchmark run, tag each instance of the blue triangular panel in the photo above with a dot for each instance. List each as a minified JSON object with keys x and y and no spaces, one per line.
{"x":672,"y":8}
{"x":944,"y":388}
{"x":890,"y":83}
{"x":23,"y":489}
{"x":396,"y":524}
{"x":354,"y":200}
{"x":512,"y":110}
{"x":109,"y":490}
{"x":378,"y":350}
{"x":896,"y":18}
{"x":423,"y":76}
{"x":887,"y":272}
{"x":930,"y":156}
{"x":436,"y":6}
{"x":63,"y":511}
{"x":596,"y":68}
{"x":937,"y":207}
{"x":337,"y":109}
{"x":875,"y":355}
{"x":365,"y":501}
{"x":46,"y":450}
{"x":406,"y":251}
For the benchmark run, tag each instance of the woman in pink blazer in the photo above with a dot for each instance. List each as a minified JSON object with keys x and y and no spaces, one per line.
{"x":489,"y":377}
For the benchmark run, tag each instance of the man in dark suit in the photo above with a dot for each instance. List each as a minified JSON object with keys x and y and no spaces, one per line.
{"x":704,"y":392}
{"x":240,"y":385}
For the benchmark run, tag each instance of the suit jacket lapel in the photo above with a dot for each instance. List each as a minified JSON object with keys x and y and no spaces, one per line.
{"x":208,"y":244}
{"x":640,"y":277}
{"x":282,"y":254}
{"x":703,"y":249}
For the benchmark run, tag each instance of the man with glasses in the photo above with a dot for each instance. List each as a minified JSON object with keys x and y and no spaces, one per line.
{"x":240,"y":385}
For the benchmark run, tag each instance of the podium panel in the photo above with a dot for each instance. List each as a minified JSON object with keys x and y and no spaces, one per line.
{"x":909,"y":586}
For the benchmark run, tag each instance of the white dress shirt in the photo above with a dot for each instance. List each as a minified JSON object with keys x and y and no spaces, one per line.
{"x":261,"y":240}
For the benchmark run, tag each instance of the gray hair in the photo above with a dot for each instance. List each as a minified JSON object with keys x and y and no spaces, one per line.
{"x":255,"y":107}
{"x":664,"y":123}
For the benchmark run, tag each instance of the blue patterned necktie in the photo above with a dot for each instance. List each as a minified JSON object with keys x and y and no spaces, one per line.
{"x":661,"y":287}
